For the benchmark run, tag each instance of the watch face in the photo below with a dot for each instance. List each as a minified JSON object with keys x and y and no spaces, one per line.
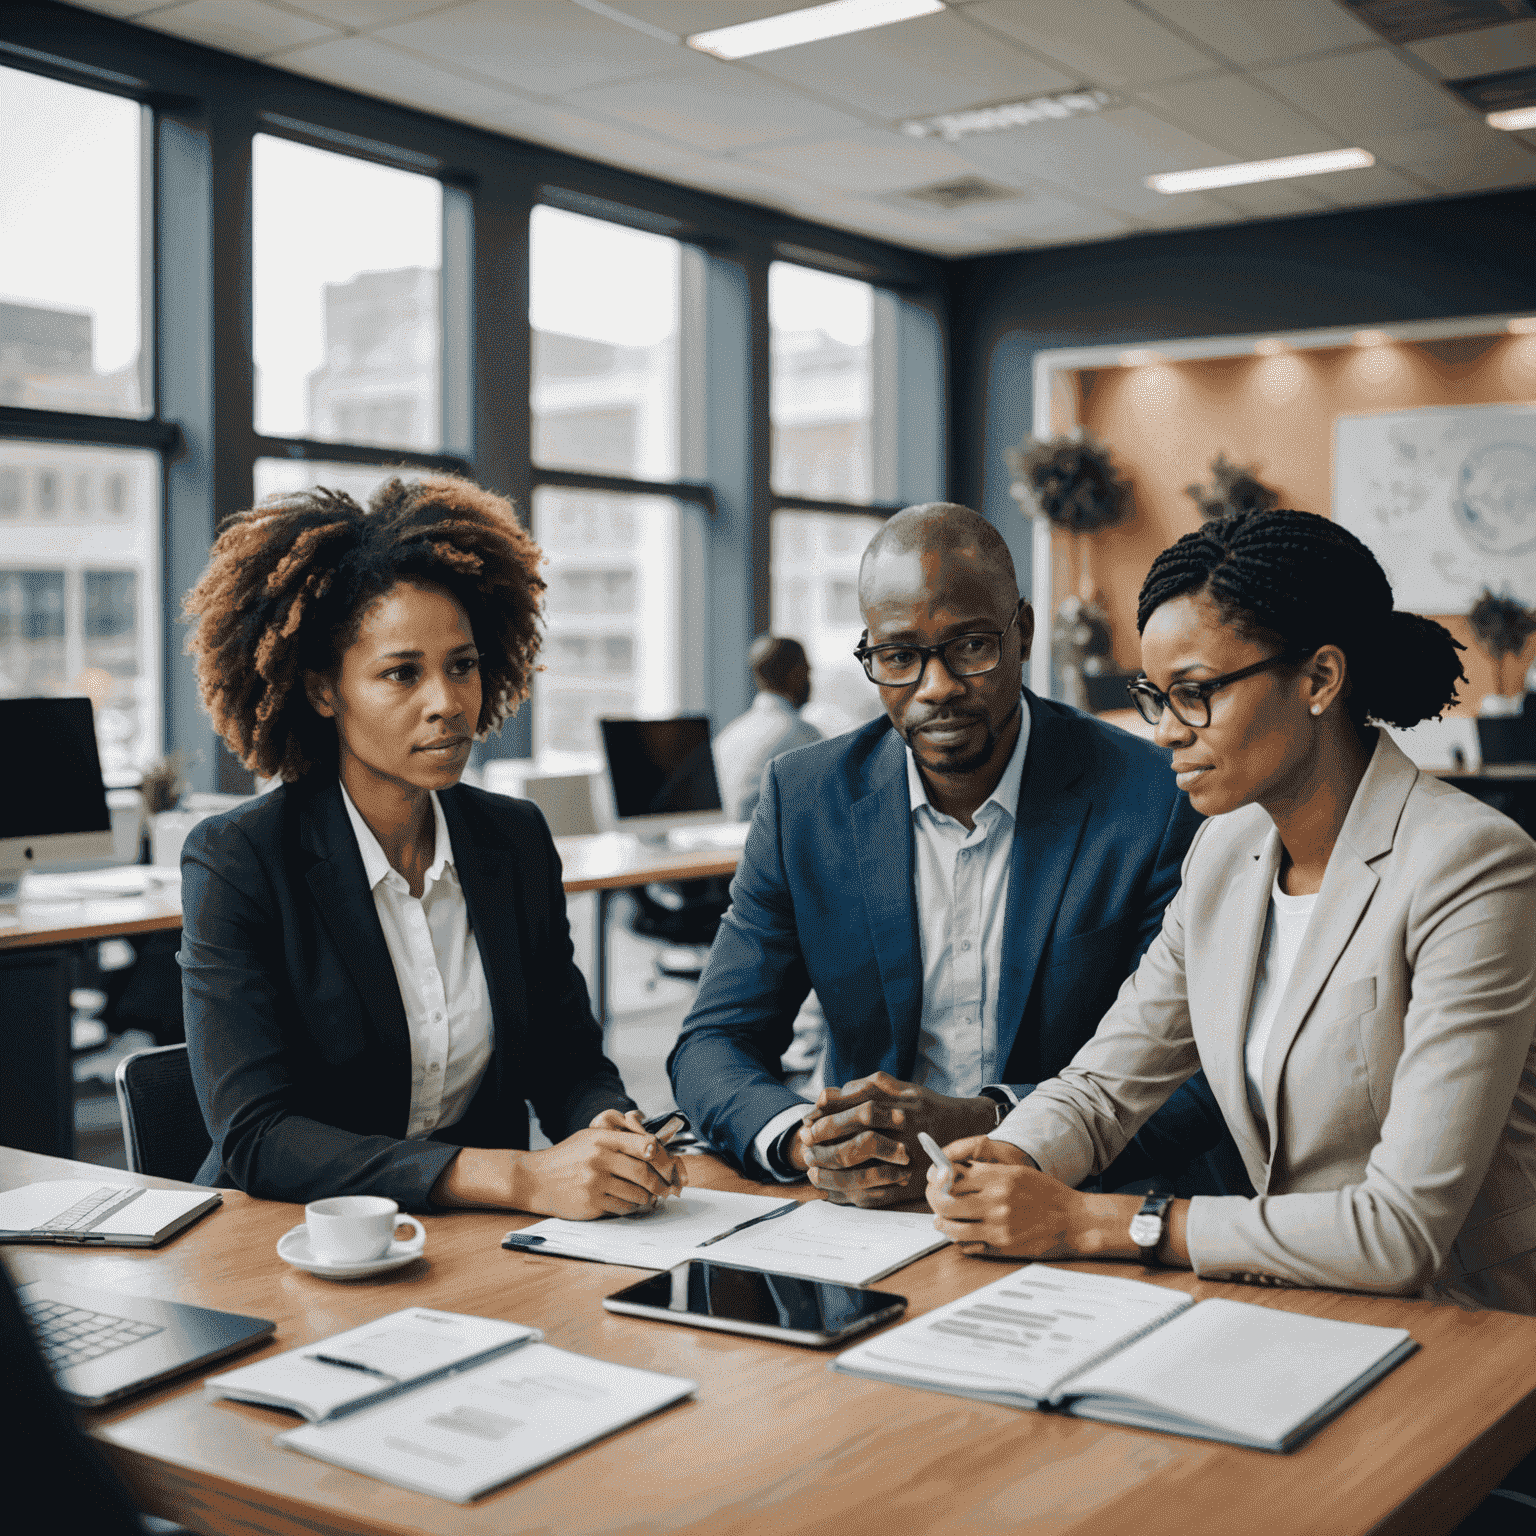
{"x":1146,"y":1230}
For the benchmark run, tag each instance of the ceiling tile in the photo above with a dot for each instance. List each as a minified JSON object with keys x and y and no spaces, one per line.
{"x":545,"y":47}
{"x":238,"y":26}
{"x":362,"y":64}
{"x":1102,"y":42}
{"x":1238,"y":117}
{"x":360,"y":15}
{"x":874,"y":161}
{"x":1480,"y":53}
{"x":1371,"y":91}
{"x":685,"y":17}
{"x":1046,"y":218}
{"x":1360,"y":189}
{"x":1273,"y":199}
{"x":1265,"y":31}
{"x":933,"y":64}
{"x":712,"y":107}
{"x":1464,"y":158}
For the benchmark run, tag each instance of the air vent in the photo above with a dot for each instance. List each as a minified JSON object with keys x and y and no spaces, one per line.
{"x":961,"y":193}
{"x":1412,"y":21}
{"x":1497,"y":93}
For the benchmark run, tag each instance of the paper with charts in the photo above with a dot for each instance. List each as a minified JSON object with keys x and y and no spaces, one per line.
{"x":459,"y":1437}
{"x":1444,"y":497}
{"x":813,"y":1239}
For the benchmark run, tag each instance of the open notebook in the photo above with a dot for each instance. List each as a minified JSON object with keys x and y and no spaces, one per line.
{"x":812,"y":1239}
{"x":1129,"y":1353}
{"x":86,"y":1212}
{"x":443,"y":1403}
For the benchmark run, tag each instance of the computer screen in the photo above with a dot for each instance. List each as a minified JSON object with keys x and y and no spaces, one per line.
{"x":53,"y":808}
{"x":661,"y":768}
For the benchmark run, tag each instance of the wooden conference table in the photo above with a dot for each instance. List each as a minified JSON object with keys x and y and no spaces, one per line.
{"x":773,"y":1441}
{"x":40,"y":942}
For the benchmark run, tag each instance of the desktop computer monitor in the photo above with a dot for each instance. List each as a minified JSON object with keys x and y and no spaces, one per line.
{"x":662,"y":773}
{"x":53,"y":807}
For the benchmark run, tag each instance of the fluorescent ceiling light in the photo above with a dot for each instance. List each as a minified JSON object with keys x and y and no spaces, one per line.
{"x":1013,"y":114}
{"x":1513,"y":120}
{"x":1261,"y":170}
{"x":813,"y":25}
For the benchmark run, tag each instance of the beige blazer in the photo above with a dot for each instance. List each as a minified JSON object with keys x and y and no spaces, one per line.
{"x":1397,"y":1149}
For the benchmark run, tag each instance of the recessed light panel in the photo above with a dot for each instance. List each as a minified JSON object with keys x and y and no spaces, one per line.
{"x":1213,"y":176}
{"x":1012,"y":114}
{"x":813,"y":25}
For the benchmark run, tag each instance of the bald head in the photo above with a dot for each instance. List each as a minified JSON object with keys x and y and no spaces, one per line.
{"x":941,"y":527}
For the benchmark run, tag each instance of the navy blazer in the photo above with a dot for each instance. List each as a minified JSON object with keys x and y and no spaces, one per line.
{"x":299,"y":1047}
{"x":823,"y":898}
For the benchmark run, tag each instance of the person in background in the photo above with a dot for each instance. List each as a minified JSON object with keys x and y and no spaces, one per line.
{"x":377,"y":966}
{"x":773,"y":724}
{"x":1349,"y":955}
{"x":964,"y":883}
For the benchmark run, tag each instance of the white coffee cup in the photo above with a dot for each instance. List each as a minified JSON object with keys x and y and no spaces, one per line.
{"x":350,"y":1229}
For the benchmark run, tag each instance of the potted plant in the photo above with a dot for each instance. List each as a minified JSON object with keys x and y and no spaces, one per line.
{"x":1072,"y":483}
{"x":1502,"y":626}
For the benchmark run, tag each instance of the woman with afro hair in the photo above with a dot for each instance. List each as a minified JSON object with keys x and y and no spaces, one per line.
{"x":377,"y":966}
{"x":1349,"y":958}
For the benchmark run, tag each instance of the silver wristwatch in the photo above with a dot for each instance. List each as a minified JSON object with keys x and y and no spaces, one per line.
{"x":1147,"y":1225}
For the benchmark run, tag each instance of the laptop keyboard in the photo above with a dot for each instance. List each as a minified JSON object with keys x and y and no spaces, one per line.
{"x":71,"y":1335}
{"x":95,"y":1207}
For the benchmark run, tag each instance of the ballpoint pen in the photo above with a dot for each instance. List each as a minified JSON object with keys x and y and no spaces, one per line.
{"x":741,"y":1226}
{"x":936,"y":1156}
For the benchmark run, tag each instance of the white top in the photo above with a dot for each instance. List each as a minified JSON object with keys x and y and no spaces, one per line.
{"x":960,"y":882}
{"x":1284,"y":929}
{"x":749,"y":743}
{"x":437,"y":965}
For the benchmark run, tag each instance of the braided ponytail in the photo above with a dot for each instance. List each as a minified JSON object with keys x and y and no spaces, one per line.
{"x":1293,"y":579}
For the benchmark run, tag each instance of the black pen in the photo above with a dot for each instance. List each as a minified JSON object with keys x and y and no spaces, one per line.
{"x":352,"y":1365}
{"x":741,"y":1226}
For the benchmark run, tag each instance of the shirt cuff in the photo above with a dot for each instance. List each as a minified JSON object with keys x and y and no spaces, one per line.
{"x":764,"y":1142}
{"x":1002,"y":1093}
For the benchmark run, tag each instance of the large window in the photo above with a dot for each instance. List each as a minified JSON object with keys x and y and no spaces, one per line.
{"x":71,"y":322}
{"x":276,"y":476}
{"x":346,"y":298}
{"x":604,"y":312}
{"x":823,"y":384}
{"x":79,"y":523}
{"x":815,"y":586}
{"x":80,"y":588}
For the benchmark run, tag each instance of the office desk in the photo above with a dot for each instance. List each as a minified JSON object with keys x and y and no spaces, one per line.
{"x":773,"y":1441}
{"x":38,"y":955}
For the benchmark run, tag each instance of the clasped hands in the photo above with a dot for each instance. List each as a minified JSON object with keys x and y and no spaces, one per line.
{"x":858,"y":1143}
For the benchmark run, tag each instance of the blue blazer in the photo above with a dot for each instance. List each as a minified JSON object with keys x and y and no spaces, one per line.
{"x":299,"y":1047}
{"x":823,"y":898}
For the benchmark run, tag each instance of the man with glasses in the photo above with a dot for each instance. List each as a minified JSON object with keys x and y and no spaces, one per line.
{"x":965,"y":883}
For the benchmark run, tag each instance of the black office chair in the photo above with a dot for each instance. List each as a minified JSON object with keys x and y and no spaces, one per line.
{"x":163,"y":1130}
{"x":684,"y":916}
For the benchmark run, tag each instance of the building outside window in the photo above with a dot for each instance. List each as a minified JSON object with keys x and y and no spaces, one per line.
{"x":604,"y":303}
{"x":79,"y":525}
{"x":346,"y":298}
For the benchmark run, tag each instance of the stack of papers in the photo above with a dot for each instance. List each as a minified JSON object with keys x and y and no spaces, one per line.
{"x":813,"y":1239}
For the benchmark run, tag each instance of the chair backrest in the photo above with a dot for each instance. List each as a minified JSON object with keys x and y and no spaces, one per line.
{"x":163,"y":1130}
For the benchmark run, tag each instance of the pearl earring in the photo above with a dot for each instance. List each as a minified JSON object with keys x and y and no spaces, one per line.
{"x":1317,"y":709}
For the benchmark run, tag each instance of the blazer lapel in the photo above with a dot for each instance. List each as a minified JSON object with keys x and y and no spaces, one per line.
{"x":489,"y":876}
{"x":346,"y":907}
{"x":882,"y":826}
{"x":1047,"y":825}
{"x":1348,"y":885}
{"x":1236,"y":935}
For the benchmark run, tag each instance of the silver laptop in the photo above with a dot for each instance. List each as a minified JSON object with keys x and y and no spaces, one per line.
{"x":101,"y":1345}
{"x":84,"y":1211}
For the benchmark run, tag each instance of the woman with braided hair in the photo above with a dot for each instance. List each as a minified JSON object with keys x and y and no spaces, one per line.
{"x":377,"y":967}
{"x":1350,"y":958}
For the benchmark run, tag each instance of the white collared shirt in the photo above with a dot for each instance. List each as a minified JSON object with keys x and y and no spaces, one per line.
{"x":749,"y":743}
{"x":960,"y":883}
{"x":437,"y":965}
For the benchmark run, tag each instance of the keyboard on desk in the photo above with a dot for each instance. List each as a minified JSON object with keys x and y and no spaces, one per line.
{"x":71,"y":1335}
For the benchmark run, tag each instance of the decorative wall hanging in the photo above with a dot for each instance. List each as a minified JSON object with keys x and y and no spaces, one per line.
{"x":1233,"y":488}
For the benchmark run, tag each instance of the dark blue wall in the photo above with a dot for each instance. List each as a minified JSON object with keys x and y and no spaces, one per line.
{"x":1420,"y":261}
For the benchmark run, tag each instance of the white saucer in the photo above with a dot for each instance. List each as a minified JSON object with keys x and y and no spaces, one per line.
{"x":293,"y":1248}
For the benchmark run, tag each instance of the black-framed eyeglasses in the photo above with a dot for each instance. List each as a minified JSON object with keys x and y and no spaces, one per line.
{"x":1191,"y":702}
{"x":968,"y":655}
